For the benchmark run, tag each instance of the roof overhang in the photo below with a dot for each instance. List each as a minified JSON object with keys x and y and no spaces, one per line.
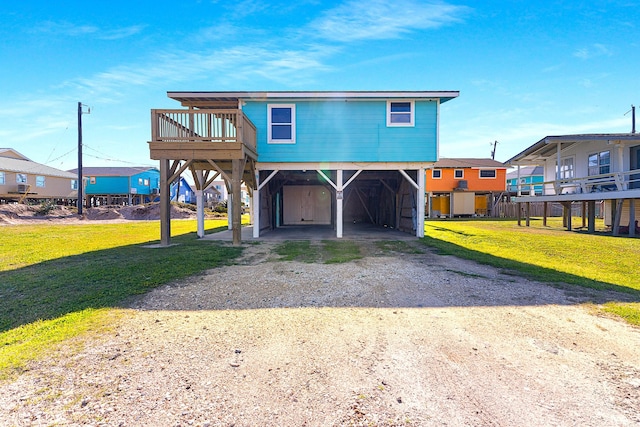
{"x":193,"y":98}
{"x":548,"y":146}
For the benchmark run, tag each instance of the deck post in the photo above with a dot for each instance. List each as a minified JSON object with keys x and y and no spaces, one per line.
{"x":200,"y":203}
{"x":165,"y":204}
{"x":584,"y":214}
{"x":528,"y":214}
{"x":519,"y":213}
{"x":339,"y":195}
{"x":616,"y":216}
{"x":236,"y":201}
{"x":632,"y":217}
{"x":544,"y":213}
{"x":592,"y":216}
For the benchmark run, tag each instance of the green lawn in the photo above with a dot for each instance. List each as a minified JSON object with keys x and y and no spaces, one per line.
{"x":57,"y":281}
{"x":549,"y":254}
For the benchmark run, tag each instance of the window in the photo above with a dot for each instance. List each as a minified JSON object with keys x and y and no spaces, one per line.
{"x":21,"y":178}
{"x":600,"y":163}
{"x":140,"y":181}
{"x":40,"y":181}
{"x":74,"y":184}
{"x":1,"y":178}
{"x":566,"y":168}
{"x":146,"y":182}
{"x":92,"y":180}
{"x":436,"y":174}
{"x":487,"y":173}
{"x":282,"y":123}
{"x":400,"y":113}
{"x":458,"y":173}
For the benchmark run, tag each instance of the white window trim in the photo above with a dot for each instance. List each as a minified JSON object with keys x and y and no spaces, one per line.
{"x":458,"y":177}
{"x":412,"y":113}
{"x":19,"y":181}
{"x":436,"y":177}
{"x":495,"y":174}
{"x":2,"y":178}
{"x":270,"y":140}
{"x":42,"y":183}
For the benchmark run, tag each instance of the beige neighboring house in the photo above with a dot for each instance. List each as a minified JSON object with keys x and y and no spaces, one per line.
{"x":22,"y":179}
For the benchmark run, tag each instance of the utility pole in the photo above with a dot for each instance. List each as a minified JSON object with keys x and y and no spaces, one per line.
{"x":633,"y":118}
{"x":80,"y":195}
{"x":493,"y":150}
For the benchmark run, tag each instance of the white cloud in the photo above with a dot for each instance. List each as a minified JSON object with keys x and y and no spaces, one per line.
{"x":593,"y":51}
{"x":74,"y":30}
{"x":381,"y":19}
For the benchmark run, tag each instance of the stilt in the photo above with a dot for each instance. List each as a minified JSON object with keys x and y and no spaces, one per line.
{"x":592,"y":216}
{"x":165,"y":204}
{"x":528,"y":213}
{"x":544,"y":213}
{"x":236,"y":213}
{"x":632,"y":217}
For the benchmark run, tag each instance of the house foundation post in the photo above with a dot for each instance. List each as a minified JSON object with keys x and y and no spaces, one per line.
{"x":165,"y":204}
{"x":236,"y":201}
{"x":255,"y":207}
{"x":584,"y":214}
{"x":544,"y":213}
{"x":632,"y":217}
{"x":339,"y":196}
{"x":421,"y":202}
{"x":519,"y":213}
{"x":528,"y":213}
{"x":592,"y":216}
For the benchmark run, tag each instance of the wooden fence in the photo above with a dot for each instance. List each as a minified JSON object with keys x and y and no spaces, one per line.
{"x":536,"y":209}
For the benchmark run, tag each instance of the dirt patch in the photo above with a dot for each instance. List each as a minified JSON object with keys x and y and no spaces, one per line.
{"x":20,"y":214}
{"x":393,"y":339}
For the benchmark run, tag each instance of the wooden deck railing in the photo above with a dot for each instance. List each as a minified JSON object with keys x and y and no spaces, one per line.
{"x":202,"y":126}
{"x":615,"y":181}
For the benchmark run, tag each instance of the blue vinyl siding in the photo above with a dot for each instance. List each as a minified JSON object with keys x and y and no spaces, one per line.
{"x":348,"y":131}
{"x":108,"y":185}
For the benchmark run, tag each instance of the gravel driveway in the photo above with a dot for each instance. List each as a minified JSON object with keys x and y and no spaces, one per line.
{"x":391,"y":339}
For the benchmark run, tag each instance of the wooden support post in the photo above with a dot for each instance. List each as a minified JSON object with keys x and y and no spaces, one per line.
{"x":592,"y":216}
{"x":528,"y":213}
{"x":568,"y":214}
{"x":519,"y":212}
{"x":165,"y":204}
{"x":255,"y":207}
{"x":584,"y":214}
{"x":236,"y":200}
{"x":339,"y":196}
{"x":200,"y":203}
{"x":616,"y":216}
{"x":420,"y":201}
{"x":544,"y":213}
{"x":632,"y":217}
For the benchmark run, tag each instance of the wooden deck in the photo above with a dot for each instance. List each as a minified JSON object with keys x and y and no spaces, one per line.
{"x":209,"y":142}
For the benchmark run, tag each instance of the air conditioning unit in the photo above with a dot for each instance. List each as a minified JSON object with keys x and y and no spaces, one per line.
{"x":23,"y":188}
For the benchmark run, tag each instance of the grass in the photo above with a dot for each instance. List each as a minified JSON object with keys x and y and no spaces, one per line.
{"x":548,"y":254}
{"x":327,"y":251}
{"x":57,"y":281}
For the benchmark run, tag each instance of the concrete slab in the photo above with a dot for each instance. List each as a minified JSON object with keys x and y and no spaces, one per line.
{"x":316,"y":232}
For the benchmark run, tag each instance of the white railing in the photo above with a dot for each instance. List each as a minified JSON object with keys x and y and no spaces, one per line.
{"x":202,"y":126}
{"x":615,"y":181}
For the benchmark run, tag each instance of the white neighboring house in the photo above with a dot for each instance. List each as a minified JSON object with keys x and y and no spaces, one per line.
{"x":588,"y":168}
{"x":23,"y":179}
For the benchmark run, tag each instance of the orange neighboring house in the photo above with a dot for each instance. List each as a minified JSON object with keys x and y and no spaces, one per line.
{"x":464,"y":187}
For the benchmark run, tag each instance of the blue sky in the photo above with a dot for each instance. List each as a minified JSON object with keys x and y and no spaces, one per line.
{"x":524,"y":70}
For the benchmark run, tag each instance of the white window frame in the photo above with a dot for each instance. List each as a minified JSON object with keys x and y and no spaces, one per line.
{"x":599,"y":165}
{"x":455,"y":171}
{"x":270,"y":138}
{"x":495,"y":174}
{"x":433,"y":176}
{"x":2,"y":178}
{"x":41,"y":181}
{"x":74,"y":184}
{"x":566,"y":172}
{"x":21,"y":178}
{"x":390,"y":114}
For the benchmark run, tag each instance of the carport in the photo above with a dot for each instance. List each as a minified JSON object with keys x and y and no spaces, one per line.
{"x":315,"y":195}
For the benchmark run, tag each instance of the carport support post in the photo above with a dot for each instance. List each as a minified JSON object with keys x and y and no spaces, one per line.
{"x":339,"y":194}
{"x":255,"y":207}
{"x":236,"y":201}
{"x":421,"y":201}
{"x":165,"y":205}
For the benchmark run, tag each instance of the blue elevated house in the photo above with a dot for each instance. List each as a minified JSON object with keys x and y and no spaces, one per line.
{"x":120,"y":185}
{"x":181,"y":191}
{"x":309,"y":158}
